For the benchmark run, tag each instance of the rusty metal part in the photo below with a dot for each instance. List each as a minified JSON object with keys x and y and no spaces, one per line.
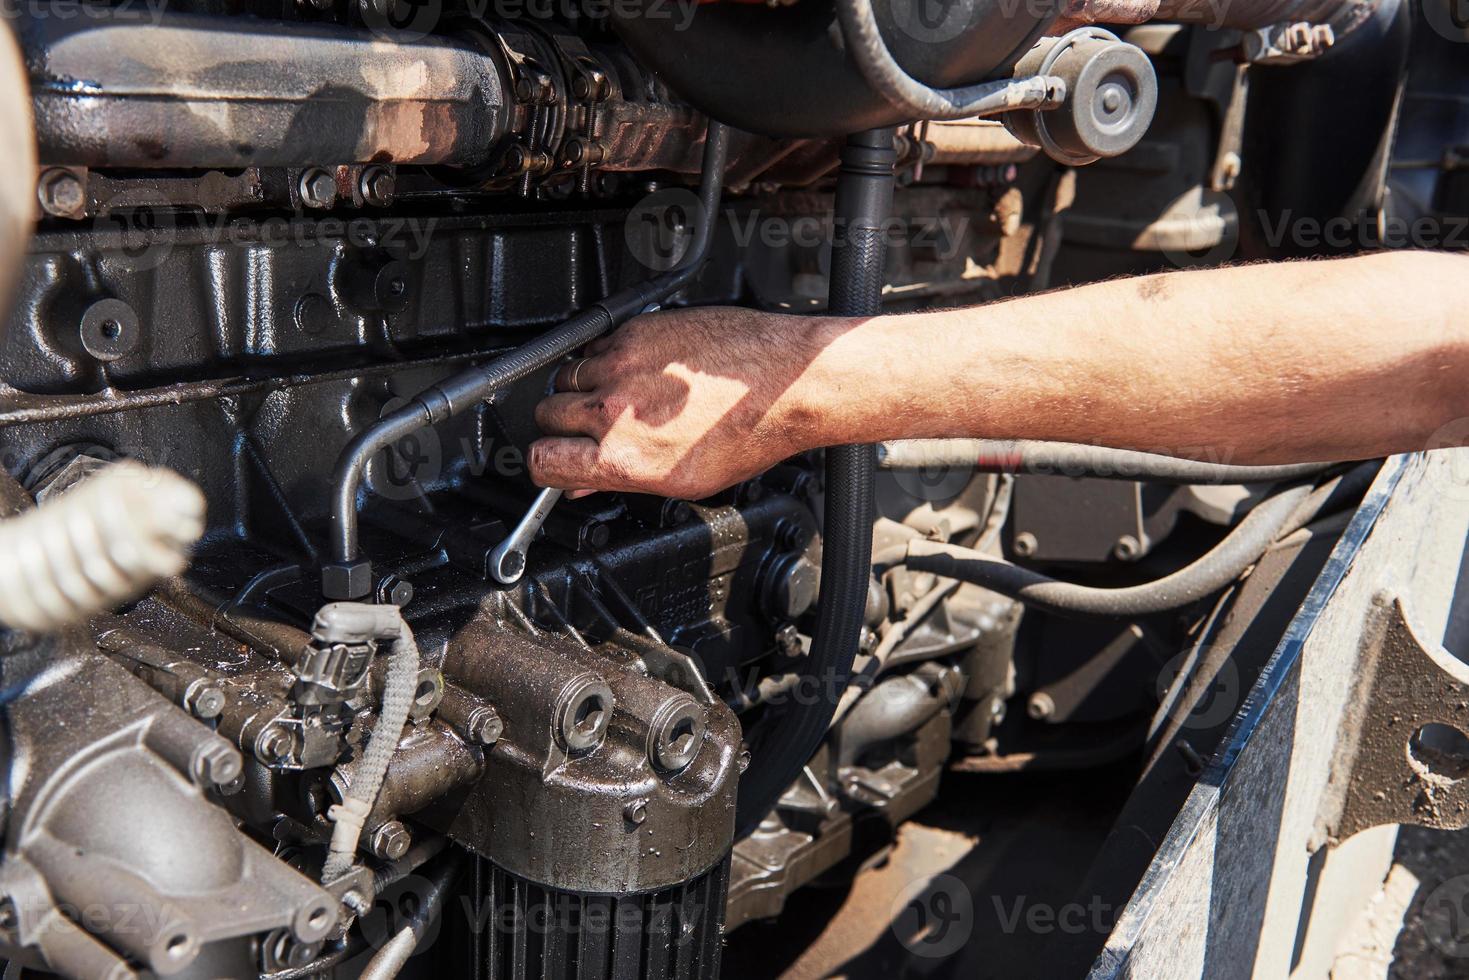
{"x":1405,"y":751}
{"x":983,"y":142}
{"x":197,"y":92}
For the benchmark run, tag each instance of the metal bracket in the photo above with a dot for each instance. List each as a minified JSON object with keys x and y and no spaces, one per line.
{"x":1405,"y":739}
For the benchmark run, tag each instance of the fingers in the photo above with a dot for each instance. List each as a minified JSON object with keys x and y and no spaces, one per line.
{"x":570,"y":463}
{"x":582,"y":374}
{"x":570,"y":413}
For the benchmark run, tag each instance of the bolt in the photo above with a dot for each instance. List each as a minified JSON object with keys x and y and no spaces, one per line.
{"x":636,"y":811}
{"x":61,"y":193}
{"x":594,"y":534}
{"x":1040,"y":706}
{"x":318,"y":188}
{"x":485,"y":725}
{"x":377,"y":186}
{"x":204,"y":699}
{"x":273,"y":745}
{"x":1127,"y":548}
{"x":217,"y":763}
{"x":675,"y":512}
{"x":390,"y":841}
{"x":394,"y":591}
{"x":1025,"y":544}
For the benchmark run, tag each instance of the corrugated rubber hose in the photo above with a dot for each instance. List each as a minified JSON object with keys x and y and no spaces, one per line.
{"x":98,"y":544}
{"x":356,"y":622}
{"x":863,"y":203}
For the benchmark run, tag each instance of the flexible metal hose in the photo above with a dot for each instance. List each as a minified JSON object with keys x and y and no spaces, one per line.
{"x":863,"y":202}
{"x":1075,"y":459}
{"x":349,"y":622}
{"x":389,"y":961}
{"x":101,"y":543}
{"x":865,"y":44}
{"x":470,"y":387}
{"x":1221,"y":565}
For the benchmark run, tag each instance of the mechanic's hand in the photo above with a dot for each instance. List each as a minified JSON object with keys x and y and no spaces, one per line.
{"x":679,"y":403}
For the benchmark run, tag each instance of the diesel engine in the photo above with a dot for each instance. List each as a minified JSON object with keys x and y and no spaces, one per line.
{"x":302,"y":673}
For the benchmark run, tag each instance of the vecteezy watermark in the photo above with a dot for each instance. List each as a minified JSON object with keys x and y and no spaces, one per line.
{"x":115,"y":11}
{"x":406,"y":21}
{"x":662,"y":227}
{"x":1366,"y":232}
{"x":138,"y":232}
{"x":1448,"y":18}
{"x":1199,"y":690}
{"x":933,"y":917}
{"x":1445,"y":916}
{"x":1207,"y":236}
{"x":936,"y":917}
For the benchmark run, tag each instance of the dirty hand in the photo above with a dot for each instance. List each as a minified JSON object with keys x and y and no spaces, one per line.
{"x":681,"y":404}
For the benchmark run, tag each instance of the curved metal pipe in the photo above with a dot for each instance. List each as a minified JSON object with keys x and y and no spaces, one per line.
{"x":1241,"y":548}
{"x":348,"y":576}
{"x":867,"y":48}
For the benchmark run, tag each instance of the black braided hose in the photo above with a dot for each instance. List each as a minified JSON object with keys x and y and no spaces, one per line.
{"x":863,"y":202}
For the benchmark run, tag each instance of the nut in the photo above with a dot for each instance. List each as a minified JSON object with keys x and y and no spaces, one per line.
{"x":391,"y":841}
{"x":485,"y":725}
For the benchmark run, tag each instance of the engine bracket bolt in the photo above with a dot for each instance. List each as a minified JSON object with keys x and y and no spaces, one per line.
{"x":61,"y":193}
{"x":1025,"y":544}
{"x":318,"y":188}
{"x":485,"y":725}
{"x":390,"y":841}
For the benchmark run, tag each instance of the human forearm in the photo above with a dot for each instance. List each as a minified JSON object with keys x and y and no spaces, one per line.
{"x":1266,"y":363}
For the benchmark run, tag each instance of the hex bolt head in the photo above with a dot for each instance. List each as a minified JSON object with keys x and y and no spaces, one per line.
{"x":1024,"y":544}
{"x":485,"y":726}
{"x":205,"y":699}
{"x":318,"y":188}
{"x":1127,"y":548}
{"x":391,"y":841}
{"x":377,"y":186}
{"x":217,"y":763}
{"x":273,"y":745}
{"x":394,"y":591}
{"x":1040,"y":706}
{"x":61,"y":193}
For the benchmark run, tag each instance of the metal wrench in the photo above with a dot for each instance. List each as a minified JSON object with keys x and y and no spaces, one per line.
{"x":507,"y":561}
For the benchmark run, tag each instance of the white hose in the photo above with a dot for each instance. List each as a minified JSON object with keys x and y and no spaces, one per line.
{"x":99,"y":544}
{"x":399,"y":687}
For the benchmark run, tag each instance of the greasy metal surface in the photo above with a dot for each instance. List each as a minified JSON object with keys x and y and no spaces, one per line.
{"x":191,"y":91}
{"x":1388,"y":772}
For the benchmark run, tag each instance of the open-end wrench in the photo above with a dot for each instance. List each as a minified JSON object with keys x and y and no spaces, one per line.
{"x":507,"y":561}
